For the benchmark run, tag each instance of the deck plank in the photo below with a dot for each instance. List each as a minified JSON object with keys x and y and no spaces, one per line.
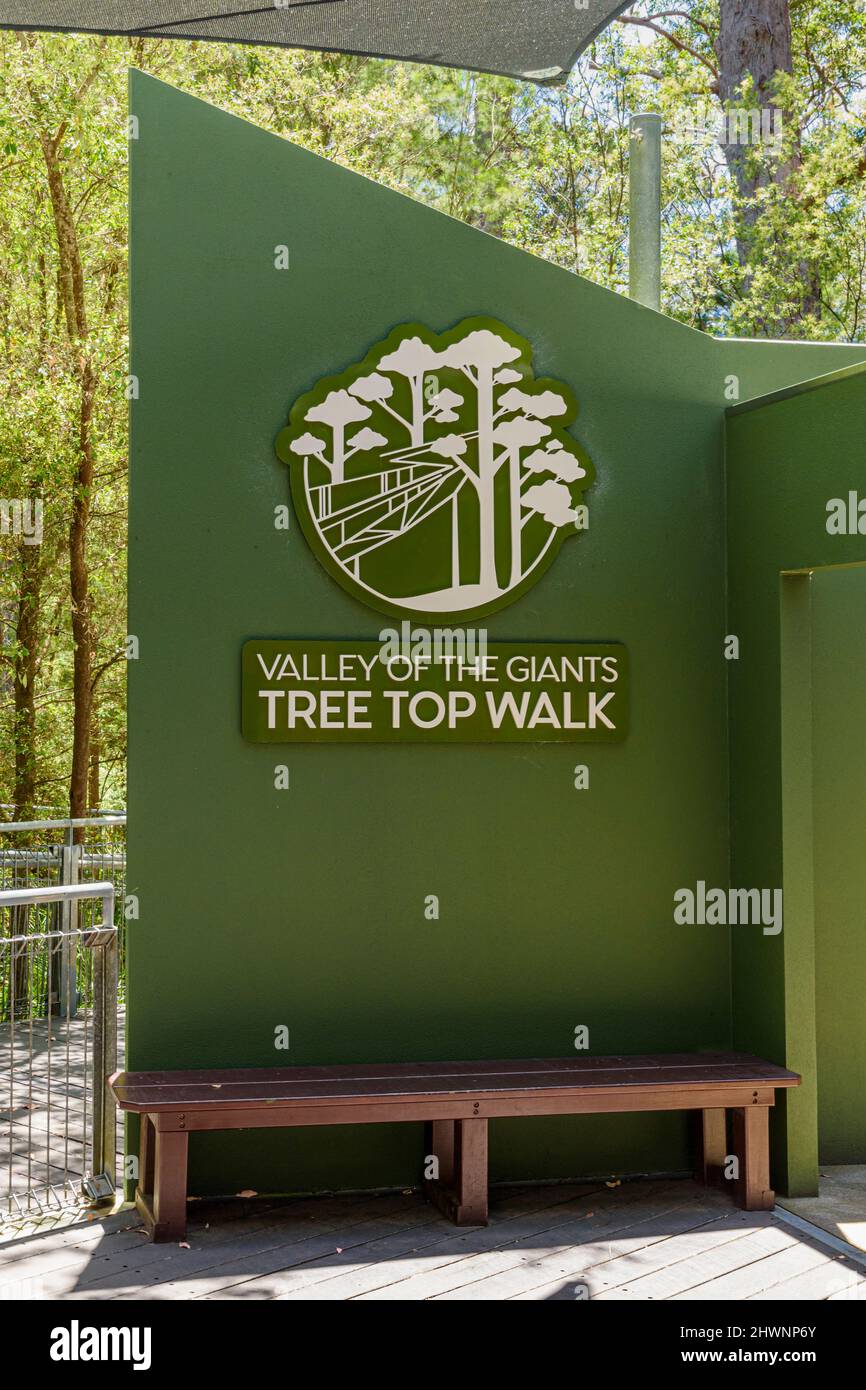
{"x":424,"y":1224}
{"x":614,"y":1217}
{"x":644,"y":1240}
{"x":820,"y":1282}
{"x":533,"y":1211}
{"x":761,"y":1274}
{"x":449,"y":1254}
{"x":233,"y":1277}
{"x":701,"y":1241}
{"x":681,"y":1275}
{"x":641,"y":1228}
{"x":265,"y":1240}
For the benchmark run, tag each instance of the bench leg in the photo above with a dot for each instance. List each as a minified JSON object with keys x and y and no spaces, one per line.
{"x":712,"y":1146}
{"x":471,"y":1173}
{"x":752,"y":1147}
{"x":146,"y":1141}
{"x":460,"y":1191}
{"x":161,"y":1193}
{"x":442,"y":1145}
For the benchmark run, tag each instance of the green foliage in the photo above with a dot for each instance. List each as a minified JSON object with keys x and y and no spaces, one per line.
{"x":547,"y":169}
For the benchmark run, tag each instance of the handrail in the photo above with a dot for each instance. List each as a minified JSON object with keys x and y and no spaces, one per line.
{"x":88,"y":936}
{"x":61,"y":893}
{"x":119,"y":819}
{"x":46,"y":806}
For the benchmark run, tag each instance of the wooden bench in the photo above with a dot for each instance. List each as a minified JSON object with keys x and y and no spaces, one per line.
{"x":456,"y":1100}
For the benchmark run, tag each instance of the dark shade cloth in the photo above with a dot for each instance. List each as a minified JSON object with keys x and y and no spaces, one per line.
{"x":535,"y":39}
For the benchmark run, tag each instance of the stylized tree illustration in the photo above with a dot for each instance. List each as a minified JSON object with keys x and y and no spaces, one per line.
{"x":479,"y":355}
{"x":456,"y":421}
{"x":375,"y":387}
{"x":450,"y":446}
{"x":445,"y":407}
{"x":517,"y":433}
{"x":413,"y":359}
{"x":365,"y":440}
{"x":338,"y":410}
{"x":542,"y":406}
{"x":453,"y":447}
{"x":378,"y":390}
{"x":308,"y":446}
{"x":555,"y":459}
{"x":550,"y":500}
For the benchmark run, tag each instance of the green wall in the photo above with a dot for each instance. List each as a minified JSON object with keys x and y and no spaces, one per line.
{"x":787,"y":456}
{"x":306,"y":907}
{"x":839,"y":780}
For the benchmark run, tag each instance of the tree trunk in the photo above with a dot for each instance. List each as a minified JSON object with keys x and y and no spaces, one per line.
{"x":516,"y":528}
{"x":71,"y":277}
{"x":416,"y":429}
{"x":755,"y":42}
{"x":82,"y":622}
{"x":455,"y":540}
{"x":24,"y":681}
{"x":94,"y":793}
{"x":486,"y":485}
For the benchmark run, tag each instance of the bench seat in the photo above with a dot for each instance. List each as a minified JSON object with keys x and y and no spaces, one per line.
{"x":455,"y":1100}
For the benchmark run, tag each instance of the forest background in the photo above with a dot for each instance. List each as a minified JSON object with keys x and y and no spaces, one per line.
{"x":762,"y":237}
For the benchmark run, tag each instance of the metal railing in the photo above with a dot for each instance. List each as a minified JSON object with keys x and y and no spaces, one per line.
{"x":58,"y":1045}
{"x":48,"y":853}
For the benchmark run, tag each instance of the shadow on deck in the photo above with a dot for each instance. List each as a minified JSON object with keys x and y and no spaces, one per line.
{"x":642,"y":1240}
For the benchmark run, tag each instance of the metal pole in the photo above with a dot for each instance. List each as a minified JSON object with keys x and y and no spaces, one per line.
{"x":645,"y":210}
{"x":110,"y":818}
{"x":69,"y":857}
{"x":104,"y":1063}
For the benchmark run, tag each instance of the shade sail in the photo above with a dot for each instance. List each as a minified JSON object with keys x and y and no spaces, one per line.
{"x":535,"y":39}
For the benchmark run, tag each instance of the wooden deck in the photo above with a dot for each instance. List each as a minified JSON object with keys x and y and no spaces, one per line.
{"x":640,"y":1240}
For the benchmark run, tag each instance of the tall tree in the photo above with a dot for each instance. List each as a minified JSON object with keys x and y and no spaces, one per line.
{"x":25,"y":668}
{"x":755,"y":58}
{"x":791,"y":174}
{"x":71,"y":283}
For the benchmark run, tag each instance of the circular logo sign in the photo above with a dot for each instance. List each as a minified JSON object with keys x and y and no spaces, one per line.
{"x":438,"y":475}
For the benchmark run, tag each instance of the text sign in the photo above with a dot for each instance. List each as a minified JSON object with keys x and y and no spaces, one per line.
{"x":299,"y":691}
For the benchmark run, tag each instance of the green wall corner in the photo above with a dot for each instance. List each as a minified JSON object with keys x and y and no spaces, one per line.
{"x":787,"y":456}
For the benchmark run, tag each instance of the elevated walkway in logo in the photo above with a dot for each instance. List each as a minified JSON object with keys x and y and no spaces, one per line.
{"x":362,"y":514}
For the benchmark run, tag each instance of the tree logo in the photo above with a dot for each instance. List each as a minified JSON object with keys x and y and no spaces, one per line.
{"x":438,"y":475}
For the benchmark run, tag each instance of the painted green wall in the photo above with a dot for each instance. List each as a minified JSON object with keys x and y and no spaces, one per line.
{"x":773,"y":368}
{"x":306,"y":907}
{"x":839,"y":783}
{"x":786,"y":458}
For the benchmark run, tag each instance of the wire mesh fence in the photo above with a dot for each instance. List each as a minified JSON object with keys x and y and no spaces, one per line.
{"x":57,"y":1126}
{"x":62,"y":985}
{"x":44,"y":854}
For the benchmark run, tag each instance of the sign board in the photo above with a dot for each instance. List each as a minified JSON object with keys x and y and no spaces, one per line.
{"x":438,"y":475}
{"x":300,"y":691}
